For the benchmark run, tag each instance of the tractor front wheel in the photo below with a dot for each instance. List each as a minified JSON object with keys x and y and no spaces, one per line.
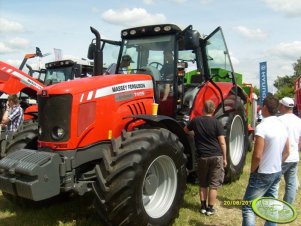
{"x":142,"y":181}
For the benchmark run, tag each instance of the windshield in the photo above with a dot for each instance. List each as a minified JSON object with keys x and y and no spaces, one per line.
{"x":55,"y":75}
{"x":152,"y":55}
{"x":218,"y":55}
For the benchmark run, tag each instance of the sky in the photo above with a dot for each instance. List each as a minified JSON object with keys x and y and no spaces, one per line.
{"x":255,"y":30}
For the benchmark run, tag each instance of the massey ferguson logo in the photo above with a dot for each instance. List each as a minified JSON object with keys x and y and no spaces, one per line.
{"x":128,"y":87}
{"x":116,"y":89}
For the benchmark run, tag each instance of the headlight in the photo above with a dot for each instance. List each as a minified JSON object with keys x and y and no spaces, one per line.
{"x":58,"y":133}
{"x":132,"y":32}
{"x":157,"y":29}
{"x":167,"y":28}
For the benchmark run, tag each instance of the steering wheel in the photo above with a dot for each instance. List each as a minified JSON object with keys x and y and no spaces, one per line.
{"x":156,"y":65}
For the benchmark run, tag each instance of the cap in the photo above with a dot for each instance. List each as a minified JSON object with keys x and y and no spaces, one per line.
{"x":287,"y":102}
{"x":127,"y":58}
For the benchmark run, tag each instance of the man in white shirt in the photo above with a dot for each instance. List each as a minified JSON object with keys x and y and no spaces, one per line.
{"x":270,"y":150}
{"x":290,"y":166}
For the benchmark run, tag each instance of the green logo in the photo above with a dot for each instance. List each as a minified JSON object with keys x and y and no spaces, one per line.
{"x":274,"y":210}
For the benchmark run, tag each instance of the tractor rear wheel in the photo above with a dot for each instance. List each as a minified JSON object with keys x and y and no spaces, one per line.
{"x":237,"y":143}
{"x":26,"y":137}
{"x":142,"y":181}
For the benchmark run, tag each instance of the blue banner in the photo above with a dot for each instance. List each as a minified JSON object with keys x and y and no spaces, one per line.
{"x":263,"y":81}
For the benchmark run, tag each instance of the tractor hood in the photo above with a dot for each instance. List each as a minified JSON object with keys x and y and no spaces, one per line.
{"x":105,"y":83}
{"x":13,"y":80}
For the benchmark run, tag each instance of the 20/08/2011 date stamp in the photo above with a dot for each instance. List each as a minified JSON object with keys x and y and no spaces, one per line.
{"x":237,"y":202}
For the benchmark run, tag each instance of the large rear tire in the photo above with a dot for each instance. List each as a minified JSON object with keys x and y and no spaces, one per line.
{"x":237,"y":143}
{"x":142,"y":181}
{"x":236,"y":131}
{"x":237,"y":147}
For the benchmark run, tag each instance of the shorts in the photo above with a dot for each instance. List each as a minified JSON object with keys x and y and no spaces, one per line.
{"x":211,"y":171}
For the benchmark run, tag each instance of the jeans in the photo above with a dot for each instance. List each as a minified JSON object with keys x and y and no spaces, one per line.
{"x":260,"y":185}
{"x":289,"y":171}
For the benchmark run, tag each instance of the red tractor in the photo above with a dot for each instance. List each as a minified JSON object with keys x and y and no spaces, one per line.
{"x":100,"y":134}
{"x":15,"y":81}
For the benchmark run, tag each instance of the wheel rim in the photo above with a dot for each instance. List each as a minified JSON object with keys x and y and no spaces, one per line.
{"x":236,"y":141}
{"x":159,"y":186}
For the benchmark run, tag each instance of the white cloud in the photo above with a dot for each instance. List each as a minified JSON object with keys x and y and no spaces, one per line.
{"x":280,"y":58}
{"x":132,"y":17}
{"x":291,"y":50}
{"x":18,"y":43}
{"x":255,"y":34}
{"x":290,"y":7}
{"x":10,"y":26}
{"x":13,"y":45}
{"x":4,"y":48}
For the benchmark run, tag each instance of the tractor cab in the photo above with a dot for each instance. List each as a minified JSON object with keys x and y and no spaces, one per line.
{"x":64,"y":70}
{"x":180,"y":62}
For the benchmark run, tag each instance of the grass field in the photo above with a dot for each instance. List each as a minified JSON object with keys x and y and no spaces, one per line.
{"x":79,"y":211}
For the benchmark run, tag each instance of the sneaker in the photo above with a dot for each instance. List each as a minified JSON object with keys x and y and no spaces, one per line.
{"x":203,"y":210}
{"x":210,"y":211}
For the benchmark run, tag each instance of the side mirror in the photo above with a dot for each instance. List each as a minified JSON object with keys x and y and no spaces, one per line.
{"x":192,"y":39}
{"x":91,"y":51}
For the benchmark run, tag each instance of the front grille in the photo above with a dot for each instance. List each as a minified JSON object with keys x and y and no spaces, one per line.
{"x":54,"y":112}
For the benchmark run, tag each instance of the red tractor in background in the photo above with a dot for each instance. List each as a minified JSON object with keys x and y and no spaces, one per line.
{"x":100,"y":134}
{"x":15,"y":81}
{"x":297,"y":91}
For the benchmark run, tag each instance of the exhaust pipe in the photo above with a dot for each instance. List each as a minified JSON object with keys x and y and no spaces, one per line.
{"x":96,"y":53}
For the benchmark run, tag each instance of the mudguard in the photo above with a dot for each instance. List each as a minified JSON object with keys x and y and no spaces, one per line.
{"x":30,"y":174}
{"x":31,"y":112}
{"x":209,"y":91}
{"x":173,"y":126}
